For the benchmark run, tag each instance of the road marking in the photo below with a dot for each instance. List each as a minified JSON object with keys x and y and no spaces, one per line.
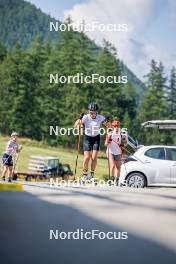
{"x":11,"y":187}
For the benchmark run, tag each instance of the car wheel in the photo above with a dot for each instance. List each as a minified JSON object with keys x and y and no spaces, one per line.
{"x":136,"y":180}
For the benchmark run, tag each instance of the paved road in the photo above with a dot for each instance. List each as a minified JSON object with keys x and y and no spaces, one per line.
{"x":147,"y":215}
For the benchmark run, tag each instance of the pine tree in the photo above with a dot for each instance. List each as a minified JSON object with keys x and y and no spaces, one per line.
{"x":73,"y":54}
{"x":20,"y":88}
{"x":10,"y":79}
{"x":130,"y":108}
{"x":76,"y":54}
{"x":109,"y":96}
{"x":154,"y":104}
{"x":3,"y":52}
{"x":171,"y":94}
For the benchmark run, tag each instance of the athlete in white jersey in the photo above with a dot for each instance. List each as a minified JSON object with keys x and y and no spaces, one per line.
{"x":91,"y":140}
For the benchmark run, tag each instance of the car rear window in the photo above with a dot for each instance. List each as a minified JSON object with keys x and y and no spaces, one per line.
{"x":156,"y":153}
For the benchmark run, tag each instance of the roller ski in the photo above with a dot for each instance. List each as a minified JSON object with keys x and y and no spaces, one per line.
{"x":88,"y":178}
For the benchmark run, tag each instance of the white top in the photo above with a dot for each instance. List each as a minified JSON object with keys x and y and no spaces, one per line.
{"x":92,"y":126}
{"x":114,"y":145}
{"x":10,"y":147}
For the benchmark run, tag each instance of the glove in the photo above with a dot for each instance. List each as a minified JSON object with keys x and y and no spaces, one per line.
{"x":107,"y":117}
{"x":81,"y":116}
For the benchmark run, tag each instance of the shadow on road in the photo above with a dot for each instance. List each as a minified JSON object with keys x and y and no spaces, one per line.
{"x":89,"y":192}
{"x":25,"y":222}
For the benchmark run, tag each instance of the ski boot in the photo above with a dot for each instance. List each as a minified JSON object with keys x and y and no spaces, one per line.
{"x":83,"y":177}
{"x":111,"y":180}
{"x":3,"y":178}
{"x":117,"y":181}
{"x":92,"y":178}
{"x":9,"y":179}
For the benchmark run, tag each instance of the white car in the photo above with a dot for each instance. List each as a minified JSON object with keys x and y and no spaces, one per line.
{"x":150,"y":165}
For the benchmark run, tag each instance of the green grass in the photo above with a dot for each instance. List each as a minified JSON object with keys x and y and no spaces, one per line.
{"x":32,"y":147}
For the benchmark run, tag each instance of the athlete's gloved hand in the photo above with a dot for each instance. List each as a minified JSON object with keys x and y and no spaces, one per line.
{"x":107,"y":117}
{"x":81,"y":116}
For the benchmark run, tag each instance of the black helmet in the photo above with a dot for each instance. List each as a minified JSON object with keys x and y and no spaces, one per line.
{"x":93,"y":107}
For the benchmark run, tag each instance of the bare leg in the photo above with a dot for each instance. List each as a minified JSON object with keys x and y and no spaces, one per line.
{"x":87,"y":155}
{"x":94,"y":160}
{"x":111,"y":164}
{"x":118,"y":166}
{"x":5,"y":169}
{"x":10,"y":172}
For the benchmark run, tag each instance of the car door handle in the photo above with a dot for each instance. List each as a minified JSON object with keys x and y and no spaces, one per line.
{"x":147,"y":161}
{"x":174,"y":164}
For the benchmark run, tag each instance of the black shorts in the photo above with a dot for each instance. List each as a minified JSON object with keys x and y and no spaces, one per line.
{"x":7,"y":160}
{"x":116,"y":157}
{"x":91,"y":143}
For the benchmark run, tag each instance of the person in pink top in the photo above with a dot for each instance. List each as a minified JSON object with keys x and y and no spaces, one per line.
{"x":114,"y":153}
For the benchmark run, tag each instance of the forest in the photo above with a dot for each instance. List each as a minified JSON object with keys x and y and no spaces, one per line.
{"x":30,"y":104}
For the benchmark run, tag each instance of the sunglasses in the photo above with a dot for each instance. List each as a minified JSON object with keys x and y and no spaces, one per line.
{"x":92,"y":113}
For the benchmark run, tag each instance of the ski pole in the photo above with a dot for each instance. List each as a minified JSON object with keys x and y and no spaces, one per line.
{"x":4,"y":161}
{"x":16,"y":160}
{"x":78,"y":148}
{"x":109,"y":163}
{"x":108,"y":126}
{"x":15,"y":163}
{"x":129,"y":152}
